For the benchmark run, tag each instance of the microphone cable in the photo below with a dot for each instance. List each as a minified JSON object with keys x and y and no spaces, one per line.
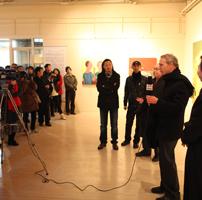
{"x":47,"y":180}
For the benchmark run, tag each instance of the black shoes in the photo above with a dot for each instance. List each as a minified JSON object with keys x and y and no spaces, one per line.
{"x":124,"y":143}
{"x":48,"y":124}
{"x":135,"y":146}
{"x":101,"y":146}
{"x":73,"y":113}
{"x":143,"y":153}
{"x":155,"y":158}
{"x":12,"y":143}
{"x":164,"y":197}
{"x":115,"y":146}
{"x":157,"y":190}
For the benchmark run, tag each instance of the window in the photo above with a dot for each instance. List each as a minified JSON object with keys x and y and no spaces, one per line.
{"x":21,"y":43}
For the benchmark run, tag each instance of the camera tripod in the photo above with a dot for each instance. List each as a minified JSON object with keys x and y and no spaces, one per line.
{"x":5,"y":95}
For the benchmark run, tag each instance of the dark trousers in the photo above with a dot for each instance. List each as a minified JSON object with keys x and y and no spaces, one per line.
{"x":12,"y":120}
{"x":70,"y":100}
{"x":168,"y":169}
{"x":33,"y":119}
{"x":44,"y":111}
{"x":103,"y":125}
{"x":144,"y":115}
{"x":55,"y":104}
{"x":129,"y":124}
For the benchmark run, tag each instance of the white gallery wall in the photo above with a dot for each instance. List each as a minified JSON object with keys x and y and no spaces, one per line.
{"x":193,"y":34}
{"x":92,"y":32}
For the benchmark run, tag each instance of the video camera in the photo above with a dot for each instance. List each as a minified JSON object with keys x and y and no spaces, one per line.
{"x":5,"y":76}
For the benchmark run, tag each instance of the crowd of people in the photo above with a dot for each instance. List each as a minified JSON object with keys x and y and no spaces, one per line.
{"x":37,"y":91}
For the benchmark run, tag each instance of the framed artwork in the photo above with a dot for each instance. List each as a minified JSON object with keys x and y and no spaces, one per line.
{"x":90,"y":72}
{"x":197,"y":52}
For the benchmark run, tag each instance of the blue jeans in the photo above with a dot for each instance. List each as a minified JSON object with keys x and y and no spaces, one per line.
{"x":103,"y":125}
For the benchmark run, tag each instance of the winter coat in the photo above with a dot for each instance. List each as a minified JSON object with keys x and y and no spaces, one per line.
{"x":70,"y":82}
{"x":29,"y":103}
{"x":14,"y":89}
{"x":108,"y":90}
{"x":171,"y":105}
{"x":192,"y":137}
{"x":135,"y":87}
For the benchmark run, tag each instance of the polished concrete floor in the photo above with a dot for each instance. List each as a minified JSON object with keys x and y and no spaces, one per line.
{"x":69,"y":149}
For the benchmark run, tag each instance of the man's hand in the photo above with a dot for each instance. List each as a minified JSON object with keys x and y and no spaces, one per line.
{"x":140,"y":100}
{"x":151,"y":99}
{"x":47,"y":86}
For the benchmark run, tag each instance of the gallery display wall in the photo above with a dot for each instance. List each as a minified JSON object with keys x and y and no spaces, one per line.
{"x":91,"y":32}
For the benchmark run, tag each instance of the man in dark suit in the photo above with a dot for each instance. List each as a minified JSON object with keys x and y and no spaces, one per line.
{"x":169,"y":110}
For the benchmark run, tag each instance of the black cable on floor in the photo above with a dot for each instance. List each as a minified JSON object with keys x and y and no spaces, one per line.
{"x":47,"y":180}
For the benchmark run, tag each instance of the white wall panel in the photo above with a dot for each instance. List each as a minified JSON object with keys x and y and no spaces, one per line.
{"x":108,"y":30}
{"x":7,"y":28}
{"x":136,"y":29}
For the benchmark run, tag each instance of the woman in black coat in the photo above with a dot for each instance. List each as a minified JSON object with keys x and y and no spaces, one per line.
{"x":192,"y":137}
{"x":107,"y":85}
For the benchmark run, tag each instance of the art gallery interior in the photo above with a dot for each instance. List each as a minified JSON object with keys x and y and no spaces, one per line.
{"x":70,"y":32}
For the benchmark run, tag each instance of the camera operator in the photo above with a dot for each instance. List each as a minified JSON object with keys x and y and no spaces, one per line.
{"x":11,"y":114}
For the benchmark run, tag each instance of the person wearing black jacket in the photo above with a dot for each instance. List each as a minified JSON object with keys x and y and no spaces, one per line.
{"x":44,"y":90}
{"x":108,"y":101}
{"x":192,"y":137}
{"x":134,"y":95}
{"x":151,"y":120}
{"x":170,"y":109}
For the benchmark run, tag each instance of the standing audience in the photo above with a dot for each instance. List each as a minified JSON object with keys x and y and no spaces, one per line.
{"x":70,"y":82}
{"x":134,"y":97}
{"x":44,"y":89}
{"x":29,"y":102}
{"x":108,"y":101}
{"x":57,"y":85}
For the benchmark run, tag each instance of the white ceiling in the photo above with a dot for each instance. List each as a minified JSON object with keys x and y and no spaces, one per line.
{"x":28,"y":2}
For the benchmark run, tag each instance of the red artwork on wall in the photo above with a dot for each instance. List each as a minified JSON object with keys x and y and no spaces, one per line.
{"x":147,"y":64}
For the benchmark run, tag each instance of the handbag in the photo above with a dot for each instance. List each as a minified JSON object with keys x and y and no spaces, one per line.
{"x":36,"y":97}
